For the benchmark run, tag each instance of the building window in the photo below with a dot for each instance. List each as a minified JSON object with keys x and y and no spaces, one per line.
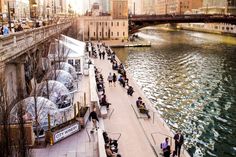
{"x":100,"y":33}
{"x":223,"y":28}
{"x":123,"y":33}
{"x":111,"y":33}
{"x":106,"y":23}
{"x":117,"y":33}
{"x":106,"y":34}
{"x":94,"y":34}
{"x":71,"y":62}
{"x":100,"y":23}
{"x":91,"y":23}
{"x":117,"y":23}
{"x":123,"y":23}
{"x":112,"y":24}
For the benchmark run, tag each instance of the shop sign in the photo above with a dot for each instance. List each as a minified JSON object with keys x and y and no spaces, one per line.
{"x":66,"y":132}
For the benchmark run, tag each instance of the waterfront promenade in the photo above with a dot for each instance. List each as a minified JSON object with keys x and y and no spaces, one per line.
{"x":139,"y":136}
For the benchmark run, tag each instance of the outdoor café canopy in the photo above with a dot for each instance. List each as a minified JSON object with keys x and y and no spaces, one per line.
{"x":66,"y":48}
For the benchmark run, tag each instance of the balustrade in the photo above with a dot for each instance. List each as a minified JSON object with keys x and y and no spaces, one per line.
{"x":15,"y":44}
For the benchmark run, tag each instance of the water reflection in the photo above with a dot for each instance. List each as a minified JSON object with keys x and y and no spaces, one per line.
{"x":192,"y":81}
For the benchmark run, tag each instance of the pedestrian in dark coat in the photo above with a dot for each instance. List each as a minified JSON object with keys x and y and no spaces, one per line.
{"x":114,"y":79}
{"x":93,"y":116}
{"x":179,"y":140}
{"x":103,"y":55}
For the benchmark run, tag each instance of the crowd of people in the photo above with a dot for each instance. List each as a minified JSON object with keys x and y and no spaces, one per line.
{"x":111,"y":146}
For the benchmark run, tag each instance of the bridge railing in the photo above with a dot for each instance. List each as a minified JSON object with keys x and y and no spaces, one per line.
{"x":14,"y":44}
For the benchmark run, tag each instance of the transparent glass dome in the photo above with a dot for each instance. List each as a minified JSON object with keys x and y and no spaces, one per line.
{"x":66,"y":67}
{"x":61,"y":76}
{"x":58,"y":93}
{"x":44,"y":107}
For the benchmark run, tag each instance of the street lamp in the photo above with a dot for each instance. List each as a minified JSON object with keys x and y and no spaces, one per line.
{"x":180,"y":7}
{"x":48,"y":7}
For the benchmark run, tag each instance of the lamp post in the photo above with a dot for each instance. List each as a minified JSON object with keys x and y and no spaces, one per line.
{"x":48,"y":7}
{"x":228,"y":3}
{"x":33,"y":12}
{"x":180,"y":7}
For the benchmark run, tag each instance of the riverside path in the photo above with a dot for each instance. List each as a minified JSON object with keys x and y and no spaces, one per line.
{"x":140,"y":136}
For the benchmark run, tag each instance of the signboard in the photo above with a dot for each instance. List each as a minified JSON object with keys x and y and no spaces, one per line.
{"x":65,"y":132}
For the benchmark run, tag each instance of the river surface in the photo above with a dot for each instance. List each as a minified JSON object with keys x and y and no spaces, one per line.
{"x":190,"y":77}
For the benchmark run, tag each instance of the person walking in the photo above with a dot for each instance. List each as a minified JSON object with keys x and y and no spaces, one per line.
{"x":103,"y":55}
{"x":100,"y":55}
{"x":110,"y":78}
{"x":114,"y":79}
{"x":179,"y":140}
{"x":93,"y":116}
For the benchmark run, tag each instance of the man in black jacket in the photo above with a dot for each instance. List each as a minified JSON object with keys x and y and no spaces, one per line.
{"x":179,"y":140}
{"x":94,"y":117}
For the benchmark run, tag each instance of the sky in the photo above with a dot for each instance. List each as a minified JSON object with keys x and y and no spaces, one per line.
{"x":81,"y":6}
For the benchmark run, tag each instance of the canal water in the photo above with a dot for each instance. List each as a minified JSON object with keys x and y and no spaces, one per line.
{"x":190,"y":77}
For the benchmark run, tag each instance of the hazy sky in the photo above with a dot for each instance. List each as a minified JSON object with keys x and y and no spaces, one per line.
{"x":81,"y":5}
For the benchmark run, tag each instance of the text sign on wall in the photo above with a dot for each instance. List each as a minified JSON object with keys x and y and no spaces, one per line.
{"x":66,"y":132}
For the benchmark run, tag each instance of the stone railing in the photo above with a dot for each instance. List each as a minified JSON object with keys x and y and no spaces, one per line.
{"x":16,"y":44}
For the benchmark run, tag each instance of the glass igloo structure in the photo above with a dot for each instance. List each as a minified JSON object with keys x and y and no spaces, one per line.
{"x":56,"y":92}
{"x":44,"y":107}
{"x":61,"y":76}
{"x":66,"y":67}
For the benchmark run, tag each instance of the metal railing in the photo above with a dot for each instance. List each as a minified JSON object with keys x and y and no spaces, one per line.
{"x":111,"y":113}
{"x":15,"y":44}
{"x":138,"y":115}
{"x":114,"y":133}
{"x":154,"y":133}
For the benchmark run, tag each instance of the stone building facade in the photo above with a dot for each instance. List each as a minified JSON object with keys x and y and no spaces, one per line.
{"x":103,"y":28}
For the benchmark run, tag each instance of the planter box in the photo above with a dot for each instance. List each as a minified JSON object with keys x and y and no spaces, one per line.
{"x":62,"y":131}
{"x":84,"y":115}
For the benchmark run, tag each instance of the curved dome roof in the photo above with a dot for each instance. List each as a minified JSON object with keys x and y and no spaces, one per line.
{"x":61,"y":76}
{"x":58,"y":93}
{"x":44,"y":106}
{"x":67,"y":67}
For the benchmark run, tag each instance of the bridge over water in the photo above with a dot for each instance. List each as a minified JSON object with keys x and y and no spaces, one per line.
{"x":139,"y":21}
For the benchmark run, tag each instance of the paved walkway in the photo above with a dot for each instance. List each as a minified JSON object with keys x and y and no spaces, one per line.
{"x":136,"y":139}
{"x":79,"y":144}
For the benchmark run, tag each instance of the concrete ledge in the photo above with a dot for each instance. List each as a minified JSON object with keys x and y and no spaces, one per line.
{"x":101,"y":144}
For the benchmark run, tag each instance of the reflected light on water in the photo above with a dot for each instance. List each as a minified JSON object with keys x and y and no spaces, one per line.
{"x":193,"y":86}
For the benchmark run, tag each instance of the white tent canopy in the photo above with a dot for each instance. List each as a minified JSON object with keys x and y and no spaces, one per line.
{"x":69,"y":50}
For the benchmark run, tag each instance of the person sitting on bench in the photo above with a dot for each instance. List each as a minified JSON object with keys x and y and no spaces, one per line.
{"x":122,"y":81}
{"x":104,"y":102}
{"x":142,"y":108}
{"x":130,"y":90}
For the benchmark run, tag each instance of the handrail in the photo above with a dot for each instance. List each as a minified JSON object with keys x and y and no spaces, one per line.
{"x":111,"y":113}
{"x":153,"y":133}
{"x":137,"y":113}
{"x":115,"y":133}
